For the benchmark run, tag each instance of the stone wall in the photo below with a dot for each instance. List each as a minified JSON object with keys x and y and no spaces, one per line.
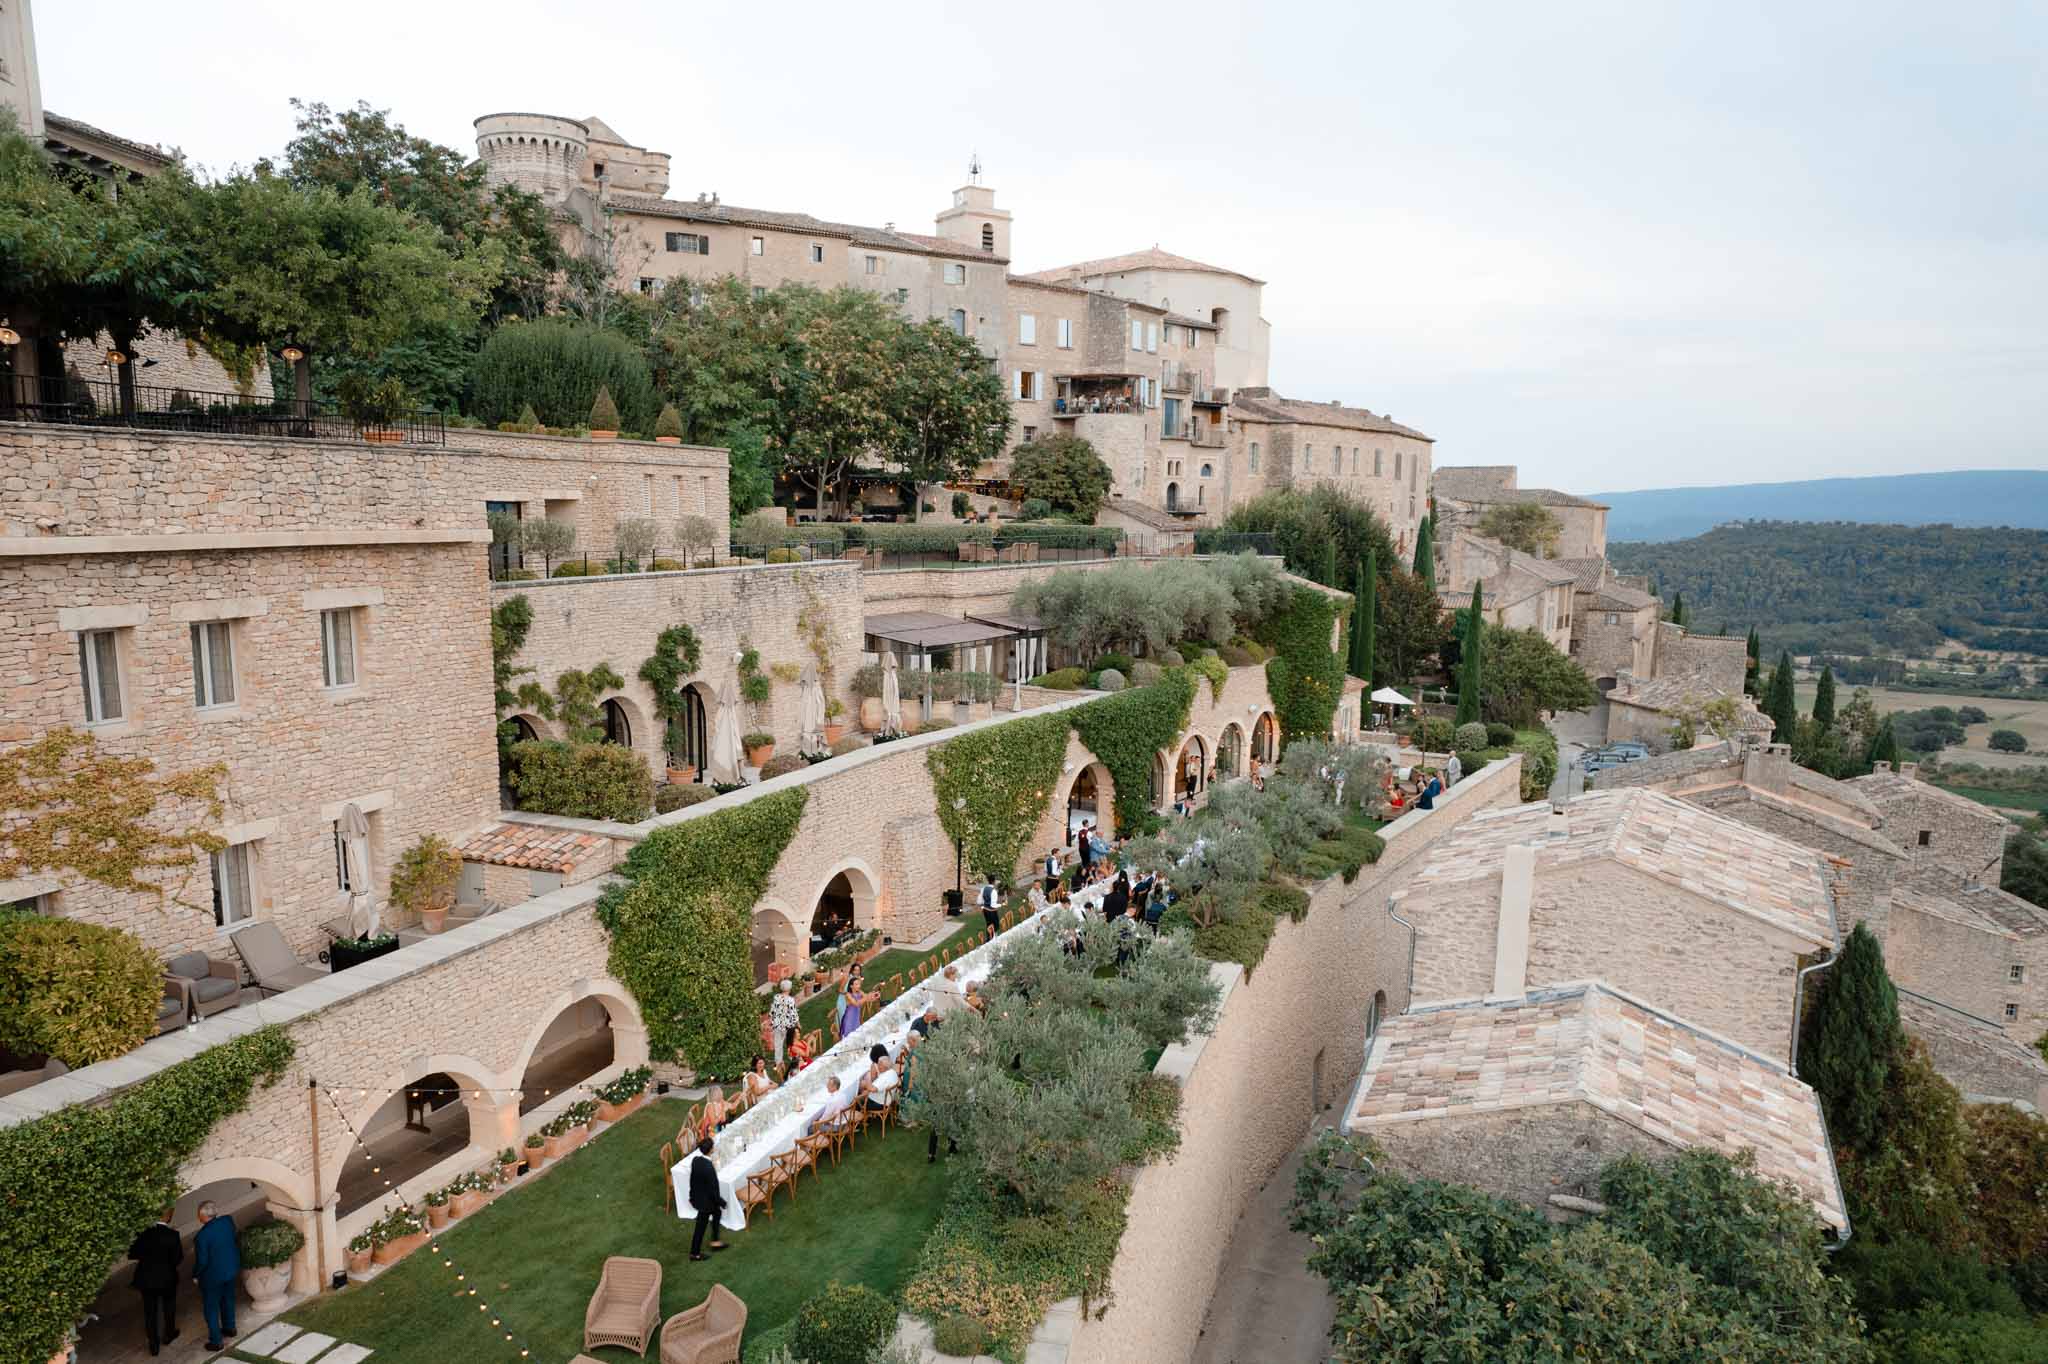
{"x":1672,"y":772}
{"x":1968,"y":966}
{"x":595,"y":484}
{"x":1938,"y":828}
{"x":1290,"y":1041}
{"x":1608,"y":641}
{"x":1722,"y":660}
{"x":1526,"y":1154}
{"x":1975,"y":1055}
{"x":179,"y":363}
{"x":1624,"y":721}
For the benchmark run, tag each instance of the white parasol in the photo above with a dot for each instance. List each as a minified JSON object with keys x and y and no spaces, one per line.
{"x":1387,"y":696}
{"x":725,"y":737}
{"x":810,"y":711}
{"x":892,"y":694}
{"x":363,"y":917}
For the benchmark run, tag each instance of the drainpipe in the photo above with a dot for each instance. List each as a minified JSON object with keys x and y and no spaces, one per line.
{"x":1411,"y":950}
{"x":1799,"y":998}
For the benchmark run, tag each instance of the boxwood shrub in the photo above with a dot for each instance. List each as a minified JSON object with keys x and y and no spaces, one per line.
{"x":586,"y":781}
{"x":842,"y":1324}
{"x":80,"y":992}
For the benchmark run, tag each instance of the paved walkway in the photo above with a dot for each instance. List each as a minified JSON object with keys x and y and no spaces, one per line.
{"x":1267,"y":1308}
{"x":1576,"y":731}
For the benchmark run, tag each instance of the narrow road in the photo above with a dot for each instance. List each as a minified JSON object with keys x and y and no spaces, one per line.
{"x":1268,"y":1309}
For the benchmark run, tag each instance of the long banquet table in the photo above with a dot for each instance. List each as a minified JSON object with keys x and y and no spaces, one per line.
{"x":772,"y":1126}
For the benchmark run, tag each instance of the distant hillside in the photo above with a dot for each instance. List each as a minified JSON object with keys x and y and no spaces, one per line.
{"x":1843,"y":588}
{"x":1976,"y":497}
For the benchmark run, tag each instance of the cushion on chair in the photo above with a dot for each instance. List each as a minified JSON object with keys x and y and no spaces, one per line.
{"x":190,"y":965}
{"x":212,"y":988}
{"x":168,"y":1007}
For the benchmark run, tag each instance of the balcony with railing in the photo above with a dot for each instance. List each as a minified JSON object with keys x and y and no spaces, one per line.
{"x":1207,"y":435}
{"x":71,"y":400}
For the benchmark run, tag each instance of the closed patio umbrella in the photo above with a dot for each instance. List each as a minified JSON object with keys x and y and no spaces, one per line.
{"x":363,"y":917}
{"x":892,"y":694}
{"x":725,"y":737}
{"x":810,"y":711}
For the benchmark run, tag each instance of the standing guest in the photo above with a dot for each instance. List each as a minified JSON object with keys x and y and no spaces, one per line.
{"x":705,"y":1198}
{"x":1052,"y":870}
{"x":782,"y":1017}
{"x":215,"y":1262}
{"x":991,"y":907}
{"x":157,"y":1253}
{"x":906,"y":1064}
{"x":1453,"y":770}
{"x":1084,"y":842}
{"x":758,"y":1081}
{"x":847,"y":1011}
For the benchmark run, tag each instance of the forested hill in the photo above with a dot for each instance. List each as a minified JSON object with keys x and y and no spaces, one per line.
{"x":1970,"y":497}
{"x":1847,"y":588}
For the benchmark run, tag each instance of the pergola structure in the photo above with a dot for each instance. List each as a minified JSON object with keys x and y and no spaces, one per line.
{"x":921,"y":634}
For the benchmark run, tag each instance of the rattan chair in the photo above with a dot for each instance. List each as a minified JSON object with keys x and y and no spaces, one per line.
{"x":668,"y":1176}
{"x":626,"y":1306}
{"x":708,"y":1333}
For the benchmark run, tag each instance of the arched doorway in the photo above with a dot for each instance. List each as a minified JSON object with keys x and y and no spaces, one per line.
{"x":843,"y":906}
{"x":1265,"y":739}
{"x":688,"y":740}
{"x":575,"y":1044}
{"x":618,"y":726}
{"x":525,"y":730}
{"x":1230,"y":752}
{"x":1158,"y":781}
{"x":418,"y":1125}
{"x":773,"y":940}
{"x":1091,"y":800}
{"x":1173,"y":497}
{"x":1191,"y":769}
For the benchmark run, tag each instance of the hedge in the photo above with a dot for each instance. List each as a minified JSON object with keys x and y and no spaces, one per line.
{"x":891,"y":538}
{"x":558,"y":366}
{"x":77,"y":991}
{"x":1305,"y":675}
{"x":1126,"y":730}
{"x":1056,"y":535}
{"x":1004,"y":776}
{"x":76,"y":1186}
{"x":586,"y":781}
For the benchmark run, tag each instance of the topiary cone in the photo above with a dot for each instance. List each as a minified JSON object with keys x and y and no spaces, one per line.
{"x":604,"y":415}
{"x":668,"y":427}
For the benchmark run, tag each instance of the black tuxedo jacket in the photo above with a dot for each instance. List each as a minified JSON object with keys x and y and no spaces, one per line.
{"x":704,"y":1194}
{"x":157,"y":1254}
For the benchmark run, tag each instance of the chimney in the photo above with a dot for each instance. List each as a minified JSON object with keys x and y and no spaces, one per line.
{"x":1880,"y":766}
{"x":1559,"y":826}
{"x":1910,"y":771}
{"x":1511,"y":934}
{"x":1768,"y":768}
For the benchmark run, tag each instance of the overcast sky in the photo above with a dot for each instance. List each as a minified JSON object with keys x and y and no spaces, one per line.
{"x":1623,"y":245}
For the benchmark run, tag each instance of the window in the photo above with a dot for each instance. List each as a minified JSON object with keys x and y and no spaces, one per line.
{"x":1169,"y":423}
{"x":1066,"y":333}
{"x":903,"y":295}
{"x":648,"y":284}
{"x":1152,"y":336}
{"x":1354,"y":461}
{"x":213,"y":664}
{"x":1027,"y":329}
{"x":988,"y":237}
{"x":1414,"y":468}
{"x":1137,"y":334}
{"x":759,"y":293}
{"x":1308,"y":459}
{"x":1378,"y":470}
{"x":1926,"y":837}
{"x":873,"y":265}
{"x":1208,"y":471}
{"x":233,"y":898}
{"x":597,"y":169}
{"x":2012,"y":1012}
{"x":1613,"y":618}
{"x":756,"y":246}
{"x":2017,"y":974}
{"x":957,"y":320}
{"x":338,"y":647}
{"x":1397,"y":464}
{"x":340,"y":858}
{"x":689,"y":243}
{"x":1255,"y":456}
{"x":1024,"y":386}
{"x":1152,"y":392}
{"x":99,"y":668}
{"x":1030,"y":434}
{"x":1201,"y":494}
{"x":956,"y":273}
{"x":817,"y":254}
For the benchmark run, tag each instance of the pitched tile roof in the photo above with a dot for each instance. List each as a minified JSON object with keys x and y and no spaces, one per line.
{"x":1665,"y":693}
{"x":532,"y":846}
{"x":1154,"y":259}
{"x":1591,"y":1044}
{"x":67,"y":130}
{"x":733,"y":215}
{"x":1707,"y":854}
{"x":1888,"y":788}
{"x":1597,"y":577}
{"x":1467,"y":482}
{"x":1277,"y":409}
{"x":1947,"y":896}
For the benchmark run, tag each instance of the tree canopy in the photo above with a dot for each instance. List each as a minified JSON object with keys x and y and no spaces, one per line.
{"x":1063,"y":470}
{"x":1528,"y":526}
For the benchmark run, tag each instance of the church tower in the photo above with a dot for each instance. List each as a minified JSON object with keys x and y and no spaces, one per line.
{"x":974,"y":221}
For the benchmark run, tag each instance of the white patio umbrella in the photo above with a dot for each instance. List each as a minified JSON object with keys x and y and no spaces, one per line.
{"x":363,"y":916}
{"x":1387,"y":696}
{"x":892,"y":694}
{"x":810,"y":711}
{"x":725,"y":737}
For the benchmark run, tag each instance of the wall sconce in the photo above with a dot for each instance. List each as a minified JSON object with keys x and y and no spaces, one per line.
{"x":9,"y":336}
{"x":115,"y":357}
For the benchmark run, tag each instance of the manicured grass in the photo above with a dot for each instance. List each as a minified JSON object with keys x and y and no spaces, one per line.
{"x":2005,"y":800}
{"x":816,"y":1012}
{"x":535,"y":1254}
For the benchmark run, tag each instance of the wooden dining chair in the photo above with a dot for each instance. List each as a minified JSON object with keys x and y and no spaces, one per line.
{"x":668,"y":1178}
{"x":758,"y":1192}
{"x":816,"y":1145}
{"x":794,"y":1162}
{"x":887,"y":1113}
{"x":693,"y":1127}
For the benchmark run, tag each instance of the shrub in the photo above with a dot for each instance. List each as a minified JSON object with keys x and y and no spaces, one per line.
{"x":852,"y":743}
{"x":866,"y":682}
{"x":604,"y":413}
{"x":1120,"y":662}
{"x":1435,"y":733}
{"x":426,"y":875}
{"x":1235,"y":657}
{"x":781,"y":765}
{"x":759,"y":738}
{"x":1145,"y":672}
{"x":915,"y":539}
{"x":669,"y":422}
{"x":1498,"y":735}
{"x":1538,"y":748}
{"x":586,"y":781}
{"x":636,"y":537}
{"x":526,"y":421}
{"x":1061,"y":679}
{"x":1172,"y":658}
{"x":680,"y":796}
{"x":77,"y":991}
{"x":961,"y":505}
{"x":1064,"y":471}
{"x":1109,"y":679}
{"x":270,"y":1243}
{"x":936,"y":722}
{"x":1470,"y":735}
{"x":843,"y":1324}
{"x":553,"y":368}
{"x":960,"y":1334}
{"x":577,"y":568}
{"x":664,"y":566}
{"x":783,"y":555}
{"x":1036,"y":509}
{"x":2007,"y":741}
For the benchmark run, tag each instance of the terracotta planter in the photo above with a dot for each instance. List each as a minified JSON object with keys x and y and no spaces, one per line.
{"x":681,"y":776}
{"x":980,"y":710}
{"x":465,"y":1203}
{"x":610,"y":1112}
{"x":668,"y":440}
{"x":382,"y":435}
{"x":391,"y":1252}
{"x":437,"y":1217}
{"x":604,"y":435}
{"x":434,"y":920}
{"x":558,"y":1147}
{"x":778,"y":971}
{"x":871,"y":714}
{"x":508,"y":1171}
{"x":267,"y":1287}
{"x":834,"y":732}
{"x":359,"y":1262}
{"x":757,"y":756}
{"x":536,"y":1156}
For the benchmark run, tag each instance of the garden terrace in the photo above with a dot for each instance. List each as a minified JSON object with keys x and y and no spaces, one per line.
{"x":69,"y":400}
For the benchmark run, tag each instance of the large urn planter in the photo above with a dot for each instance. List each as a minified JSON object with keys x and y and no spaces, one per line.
{"x":834,"y":732}
{"x":434,"y":920}
{"x":757,"y":754}
{"x":398,"y":1247}
{"x":980,"y":710}
{"x":681,"y":776}
{"x":536,"y":1152}
{"x":604,"y":435}
{"x":871,"y":714}
{"x":267,"y":1287}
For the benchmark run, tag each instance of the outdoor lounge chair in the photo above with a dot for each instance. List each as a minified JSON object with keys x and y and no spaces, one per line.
{"x":206,"y":984}
{"x":269,"y":959}
{"x":626,"y":1305}
{"x":708,"y":1333}
{"x":172,"y":1011}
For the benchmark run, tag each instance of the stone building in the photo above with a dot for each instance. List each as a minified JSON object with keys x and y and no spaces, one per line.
{"x":1614,"y":624}
{"x":1277,"y":442}
{"x":1937,"y":827}
{"x":1530,"y":1096}
{"x":1517,"y":591}
{"x":1465,"y":493}
{"x":1226,"y":304}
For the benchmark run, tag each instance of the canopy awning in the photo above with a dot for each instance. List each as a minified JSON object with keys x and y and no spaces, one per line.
{"x":924,"y":631}
{"x":1007,"y":620}
{"x":1387,"y":696}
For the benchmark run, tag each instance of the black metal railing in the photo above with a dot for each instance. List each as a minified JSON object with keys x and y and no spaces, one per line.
{"x":70,"y":400}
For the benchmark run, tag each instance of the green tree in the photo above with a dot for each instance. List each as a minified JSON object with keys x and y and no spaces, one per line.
{"x":1469,"y":669}
{"x":1852,"y":1038}
{"x":1363,"y":620}
{"x":1525,"y":675}
{"x":948,"y":409}
{"x":557,"y":367}
{"x":840,"y":406}
{"x":1062,"y":470}
{"x":1411,"y":626}
{"x":1326,"y":568}
{"x":1425,"y":554}
{"x":2007,"y":741}
{"x":1824,"y":699}
{"x":1779,"y":701}
{"x":1528,"y":526}
{"x":1884,"y":748}
{"x":2025,"y":871}
{"x":1302,"y":522}
{"x":1752,"y":681}
{"x":1678,"y":609}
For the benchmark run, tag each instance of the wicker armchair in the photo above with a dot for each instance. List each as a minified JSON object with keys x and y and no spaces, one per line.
{"x":708,"y":1333}
{"x":626,"y":1305}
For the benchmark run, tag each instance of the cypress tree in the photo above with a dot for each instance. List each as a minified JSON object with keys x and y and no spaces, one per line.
{"x":1752,"y":680}
{"x":1469,"y":680}
{"x":1884,"y":745}
{"x":1425,"y":554}
{"x":1364,"y":607}
{"x":1852,"y":1034}
{"x":1678,"y":609}
{"x":1329,"y":574}
{"x":1779,"y":702}
{"x":1824,"y":701}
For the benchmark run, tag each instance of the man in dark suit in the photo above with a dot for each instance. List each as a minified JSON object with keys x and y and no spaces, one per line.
{"x":215,"y":1262}
{"x":705,"y":1198}
{"x":157,"y":1253}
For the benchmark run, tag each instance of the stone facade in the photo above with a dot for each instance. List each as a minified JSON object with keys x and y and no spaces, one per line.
{"x":167,"y":360}
{"x":594,"y":485}
{"x":1465,"y":493}
{"x":1517,"y":591}
{"x":1937,"y":827}
{"x":1276,"y":442}
{"x":1717,"y":661}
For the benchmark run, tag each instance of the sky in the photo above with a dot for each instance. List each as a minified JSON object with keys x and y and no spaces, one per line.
{"x":1621,"y":245}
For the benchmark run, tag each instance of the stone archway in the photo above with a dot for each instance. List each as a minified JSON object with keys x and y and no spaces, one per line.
{"x":242,"y":1185}
{"x":775,"y":939}
{"x":382,"y":1145}
{"x":848,"y":900}
{"x":1190,"y":771}
{"x":1230,"y":752}
{"x":1089,"y":794}
{"x":687,"y":741}
{"x":527,"y":728}
{"x":1265,"y":738}
{"x":585,"y":1031}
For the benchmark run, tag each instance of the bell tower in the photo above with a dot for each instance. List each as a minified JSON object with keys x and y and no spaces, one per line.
{"x":974,"y":221}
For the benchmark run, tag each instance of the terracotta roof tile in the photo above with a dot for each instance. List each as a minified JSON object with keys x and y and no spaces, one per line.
{"x":1306,"y":413}
{"x":532,"y":846}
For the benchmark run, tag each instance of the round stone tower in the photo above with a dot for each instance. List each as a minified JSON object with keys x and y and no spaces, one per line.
{"x":537,"y":152}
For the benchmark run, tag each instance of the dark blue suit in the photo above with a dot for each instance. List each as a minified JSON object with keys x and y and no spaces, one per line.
{"x":215,"y":1262}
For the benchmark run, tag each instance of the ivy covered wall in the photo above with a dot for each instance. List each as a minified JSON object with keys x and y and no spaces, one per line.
{"x":1306,"y":674}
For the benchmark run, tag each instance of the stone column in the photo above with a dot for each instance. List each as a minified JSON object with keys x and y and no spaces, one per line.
{"x":309,"y":1275}
{"x":493,"y":1120}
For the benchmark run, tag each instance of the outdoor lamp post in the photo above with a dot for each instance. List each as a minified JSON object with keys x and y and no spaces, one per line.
{"x":959,"y":857}
{"x":302,"y":377}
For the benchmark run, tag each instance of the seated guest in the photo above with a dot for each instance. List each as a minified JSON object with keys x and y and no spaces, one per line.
{"x":714,"y":1110}
{"x":1431,"y":792}
{"x":922,"y":1025}
{"x":906,"y":1064}
{"x":876,"y":1099}
{"x":758,"y":1081}
{"x":838,"y":1098}
{"x":799,"y":1052}
{"x":947,"y":996}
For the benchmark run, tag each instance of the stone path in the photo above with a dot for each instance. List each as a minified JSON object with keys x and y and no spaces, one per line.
{"x":1048,"y":1344}
{"x":1267,"y":1308}
{"x":286,"y":1344}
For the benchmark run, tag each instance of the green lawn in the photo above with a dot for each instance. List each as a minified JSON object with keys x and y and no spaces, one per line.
{"x":2005,"y":800}
{"x":816,"y":1012}
{"x":535,"y":1254}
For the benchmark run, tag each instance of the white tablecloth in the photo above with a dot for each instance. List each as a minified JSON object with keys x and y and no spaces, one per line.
{"x":772,"y":1126}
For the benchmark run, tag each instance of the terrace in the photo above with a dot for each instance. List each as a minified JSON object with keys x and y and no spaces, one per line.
{"x":71,"y":400}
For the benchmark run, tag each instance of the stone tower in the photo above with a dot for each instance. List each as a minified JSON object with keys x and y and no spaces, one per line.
{"x":974,"y":220}
{"x":20,"y":90}
{"x":541,"y":153}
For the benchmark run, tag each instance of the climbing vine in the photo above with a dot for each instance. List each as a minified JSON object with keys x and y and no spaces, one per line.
{"x":675,"y":657}
{"x":1126,"y":730}
{"x":72,"y":807}
{"x":1003,"y":777}
{"x":1305,"y":676}
{"x":680,"y":921}
{"x":77,"y":1185}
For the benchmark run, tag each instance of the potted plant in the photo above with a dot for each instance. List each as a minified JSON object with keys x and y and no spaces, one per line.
{"x":466,"y":1193}
{"x":668,"y":427}
{"x":580,"y":1115}
{"x":867,"y":685}
{"x":405,"y":1231}
{"x":437,"y":1209}
{"x":559,"y":1142}
{"x":760,"y":747}
{"x":536,"y":1150}
{"x":425,"y":878}
{"x":359,"y":1254}
{"x":267,"y":1250}
{"x":373,"y":406}
{"x":343,"y":953}
{"x":835,"y":720}
{"x":624,"y":1093}
{"x":508,"y":1165}
{"x":604,"y":416}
